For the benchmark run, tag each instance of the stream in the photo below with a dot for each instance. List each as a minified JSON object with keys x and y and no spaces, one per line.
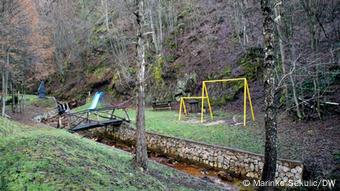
{"x":219,"y":177}
{"x":211,"y":175}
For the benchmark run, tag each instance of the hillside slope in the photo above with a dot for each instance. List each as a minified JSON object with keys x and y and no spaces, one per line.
{"x":49,"y":159}
{"x":202,"y":40}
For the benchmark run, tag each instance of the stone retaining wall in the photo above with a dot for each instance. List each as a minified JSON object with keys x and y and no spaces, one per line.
{"x":243,"y":163}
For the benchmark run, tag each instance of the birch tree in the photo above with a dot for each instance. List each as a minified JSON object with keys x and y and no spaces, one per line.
{"x":269,"y":167}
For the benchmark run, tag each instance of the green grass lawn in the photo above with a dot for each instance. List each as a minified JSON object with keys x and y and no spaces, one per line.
{"x":41,"y":158}
{"x":47,"y":102}
{"x":166,"y":122}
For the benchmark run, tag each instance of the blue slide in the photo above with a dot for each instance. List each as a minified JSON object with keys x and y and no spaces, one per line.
{"x":96,"y":100}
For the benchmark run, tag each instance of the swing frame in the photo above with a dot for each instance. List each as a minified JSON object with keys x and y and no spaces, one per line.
{"x":246,"y":94}
{"x":183,"y":107}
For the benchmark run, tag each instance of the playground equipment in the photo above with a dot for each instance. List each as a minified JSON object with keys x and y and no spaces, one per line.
{"x":205,"y":97}
{"x":246,"y":93}
{"x":104,"y":116}
{"x":96,"y":99}
{"x":183,"y":107}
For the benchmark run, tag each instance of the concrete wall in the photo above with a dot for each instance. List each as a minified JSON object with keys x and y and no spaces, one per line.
{"x":243,"y":163}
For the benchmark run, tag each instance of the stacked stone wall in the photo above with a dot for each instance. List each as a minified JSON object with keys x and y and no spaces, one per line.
{"x":243,"y":163}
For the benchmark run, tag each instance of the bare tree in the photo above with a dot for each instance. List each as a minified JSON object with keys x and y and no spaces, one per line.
{"x":13,"y":47}
{"x":141,"y":147}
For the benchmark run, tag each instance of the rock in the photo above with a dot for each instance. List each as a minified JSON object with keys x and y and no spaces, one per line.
{"x":204,"y":171}
{"x":243,"y":171}
{"x":208,"y":179}
{"x":285,"y":169}
{"x":297,"y":176}
{"x":261,"y":165}
{"x":289,"y":174}
{"x":239,"y":71}
{"x":250,"y":175}
{"x":220,"y":159}
{"x":225,"y":176}
{"x":298,"y":169}
{"x":293,"y":170}
{"x":185,"y":85}
{"x":252,"y":168}
{"x":212,"y":179}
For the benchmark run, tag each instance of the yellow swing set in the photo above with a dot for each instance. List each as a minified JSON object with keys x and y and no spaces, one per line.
{"x":205,"y":97}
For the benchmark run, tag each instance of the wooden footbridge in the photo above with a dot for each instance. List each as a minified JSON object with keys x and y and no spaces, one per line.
{"x":94,"y":118}
{"x":90,"y":118}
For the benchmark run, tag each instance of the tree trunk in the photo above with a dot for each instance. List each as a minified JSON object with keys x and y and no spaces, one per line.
{"x":269,"y":167}
{"x":154,"y":32}
{"x":160,"y":24}
{"x":141,"y":149}
{"x":291,"y":78}
{"x":12,"y":94}
{"x":279,"y":27}
{"x":105,"y":7}
{"x":3,"y":92}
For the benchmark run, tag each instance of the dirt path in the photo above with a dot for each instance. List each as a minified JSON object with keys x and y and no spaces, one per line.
{"x":27,"y":115}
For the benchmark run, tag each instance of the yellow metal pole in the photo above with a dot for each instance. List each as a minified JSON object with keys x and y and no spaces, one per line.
{"x":202,"y":108}
{"x":244,"y":103}
{"x":250,"y":103}
{"x":192,"y":97}
{"x":185,"y":108}
{"x":208,"y":100}
{"x":224,"y":80}
{"x":246,"y":93}
{"x":180,"y":109}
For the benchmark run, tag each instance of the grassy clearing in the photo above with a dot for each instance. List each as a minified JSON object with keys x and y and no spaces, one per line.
{"x":166,"y":122}
{"x":52,"y":159}
{"x":47,"y":102}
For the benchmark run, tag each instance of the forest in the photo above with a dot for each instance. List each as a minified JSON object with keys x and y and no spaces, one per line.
{"x":170,"y":95}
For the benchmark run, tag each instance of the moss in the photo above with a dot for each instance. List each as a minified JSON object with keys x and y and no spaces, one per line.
{"x":171,"y":43}
{"x":179,"y":29}
{"x":46,"y":103}
{"x":100,"y":72}
{"x":230,"y":93}
{"x":226,"y":72}
{"x":157,"y":70}
{"x":186,"y":84}
{"x":185,"y":13}
{"x":251,"y":62}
